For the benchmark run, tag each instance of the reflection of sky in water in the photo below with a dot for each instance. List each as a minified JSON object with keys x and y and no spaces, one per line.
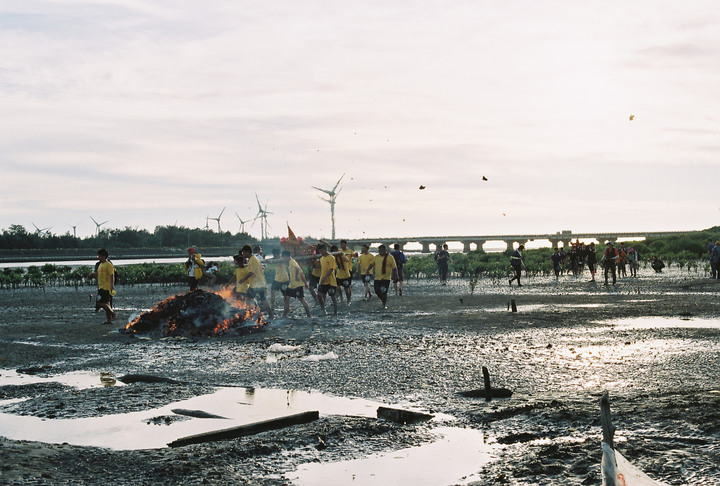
{"x":452,"y":459}
{"x":655,"y":322}
{"x":132,"y":431}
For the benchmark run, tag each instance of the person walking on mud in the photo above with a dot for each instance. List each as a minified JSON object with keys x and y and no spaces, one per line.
{"x":556,"y":260}
{"x":516,"y":261}
{"x":105,"y":275}
{"x":591,"y":259}
{"x":194,"y":268}
{"x":328,"y":282}
{"x":385,"y":269}
{"x":364,"y":268}
{"x":400,"y":260}
{"x":443,"y":260}
{"x":609,"y":261}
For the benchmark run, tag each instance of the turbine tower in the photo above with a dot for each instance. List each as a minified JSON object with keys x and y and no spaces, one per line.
{"x":262,"y":216}
{"x":331,"y":199}
{"x":217,"y":219}
{"x":74,"y":227}
{"x":97,"y":225}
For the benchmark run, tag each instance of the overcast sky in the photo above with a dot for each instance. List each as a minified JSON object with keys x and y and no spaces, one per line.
{"x":145,"y":113}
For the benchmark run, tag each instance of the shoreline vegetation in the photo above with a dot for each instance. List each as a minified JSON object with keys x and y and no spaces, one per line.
{"x":684,"y":252}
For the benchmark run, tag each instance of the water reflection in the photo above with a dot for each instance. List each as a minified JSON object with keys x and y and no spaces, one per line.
{"x":453,"y":459}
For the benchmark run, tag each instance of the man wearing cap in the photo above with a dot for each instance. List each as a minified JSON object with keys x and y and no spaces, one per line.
{"x":609,"y":258}
{"x":194,"y":268}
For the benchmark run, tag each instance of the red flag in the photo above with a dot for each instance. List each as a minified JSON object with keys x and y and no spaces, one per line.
{"x":291,"y":235}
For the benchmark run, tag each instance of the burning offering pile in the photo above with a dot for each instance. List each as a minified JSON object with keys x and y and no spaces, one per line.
{"x":198,"y":313}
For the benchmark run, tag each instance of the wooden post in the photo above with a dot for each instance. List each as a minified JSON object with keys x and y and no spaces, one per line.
{"x":608,"y":428}
{"x":514,"y":307}
{"x":488,"y":390}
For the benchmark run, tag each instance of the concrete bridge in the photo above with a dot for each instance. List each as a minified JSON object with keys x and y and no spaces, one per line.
{"x":564,"y":237}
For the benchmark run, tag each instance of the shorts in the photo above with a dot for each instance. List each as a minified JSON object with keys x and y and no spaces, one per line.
{"x":281,"y":286}
{"x":297,"y":293}
{"x":104,"y":297}
{"x":313,"y":282}
{"x":327,"y":289}
{"x":344,"y":282}
{"x":382,"y":287}
{"x":400,"y":273}
{"x":366,"y":278}
{"x":256,"y":293}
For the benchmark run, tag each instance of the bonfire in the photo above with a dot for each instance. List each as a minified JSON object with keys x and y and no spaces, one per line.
{"x":199,"y":313}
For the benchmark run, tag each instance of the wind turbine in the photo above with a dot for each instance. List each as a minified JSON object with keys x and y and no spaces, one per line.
{"x":262,"y":216}
{"x":97,"y":225}
{"x":217,"y":219}
{"x":74,"y":227}
{"x":242,"y":223}
{"x":42,"y":230}
{"x":331,"y":199}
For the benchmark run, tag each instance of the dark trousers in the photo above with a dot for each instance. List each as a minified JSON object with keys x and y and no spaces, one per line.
{"x":610,"y":266}
{"x":518,"y":272}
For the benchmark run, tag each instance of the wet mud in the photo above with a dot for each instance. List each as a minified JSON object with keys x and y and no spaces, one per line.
{"x":569,"y":341}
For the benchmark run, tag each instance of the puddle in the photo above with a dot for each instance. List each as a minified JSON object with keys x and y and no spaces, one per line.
{"x":664,"y":323}
{"x":155,"y":428}
{"x":78,"y":379}
{"x":454,"y":458}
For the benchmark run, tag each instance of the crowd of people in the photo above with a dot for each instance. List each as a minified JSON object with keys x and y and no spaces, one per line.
{"x":329,"y":281}
{"x":333,"y":268}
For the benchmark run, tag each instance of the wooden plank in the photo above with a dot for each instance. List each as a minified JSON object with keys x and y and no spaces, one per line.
{"x":249,"y":429}
{"x":402,"y":416}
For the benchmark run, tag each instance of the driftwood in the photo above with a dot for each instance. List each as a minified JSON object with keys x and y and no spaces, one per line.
{"x":402,"y":416}
{"x":196,"y":413}
{"x":488,"y":393}
{"x":127,"y":379}
{"x":249,"y":429}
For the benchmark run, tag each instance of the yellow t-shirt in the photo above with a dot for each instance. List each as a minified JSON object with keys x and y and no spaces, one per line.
{"x":345,"y":267}
{"x":257,"y":281}
{"x":328,"y":265}
{"x":295,"y":274}
{"x":364,"y":260}
{"x":105,"y":272}
{"x":240,"y":273}
{"x":281,"y":272}
{"x":316,"y":268}
{"x":390,"y":264}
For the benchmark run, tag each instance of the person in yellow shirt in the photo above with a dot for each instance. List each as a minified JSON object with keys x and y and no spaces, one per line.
{"x":241,"y":271}
{"x":365,"y":261}
{"x":328,"y":282}
{"x":106,"y":284}
{"x":315,"y":276}
{"x":282,"y":278}
{"x":344,"y":272}
{"x":385,"y":272}
{"x":256,"y":279}
{"x":194,"y":268}
{"x":295,"y":285}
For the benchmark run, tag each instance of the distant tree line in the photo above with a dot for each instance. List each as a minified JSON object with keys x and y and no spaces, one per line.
{"x":18,"y":238}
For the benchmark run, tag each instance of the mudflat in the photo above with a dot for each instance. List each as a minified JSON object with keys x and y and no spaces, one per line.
{"x":652,"y":342}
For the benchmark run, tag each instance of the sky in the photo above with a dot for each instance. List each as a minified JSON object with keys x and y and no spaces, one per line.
{"x":584,"y":116}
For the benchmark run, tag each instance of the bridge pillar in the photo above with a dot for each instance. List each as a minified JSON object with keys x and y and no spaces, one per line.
{"x":466,"y":246}
{"x":425,"y":247}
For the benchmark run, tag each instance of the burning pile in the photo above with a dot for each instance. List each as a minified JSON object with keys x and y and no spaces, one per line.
{"x":198,"y":313}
